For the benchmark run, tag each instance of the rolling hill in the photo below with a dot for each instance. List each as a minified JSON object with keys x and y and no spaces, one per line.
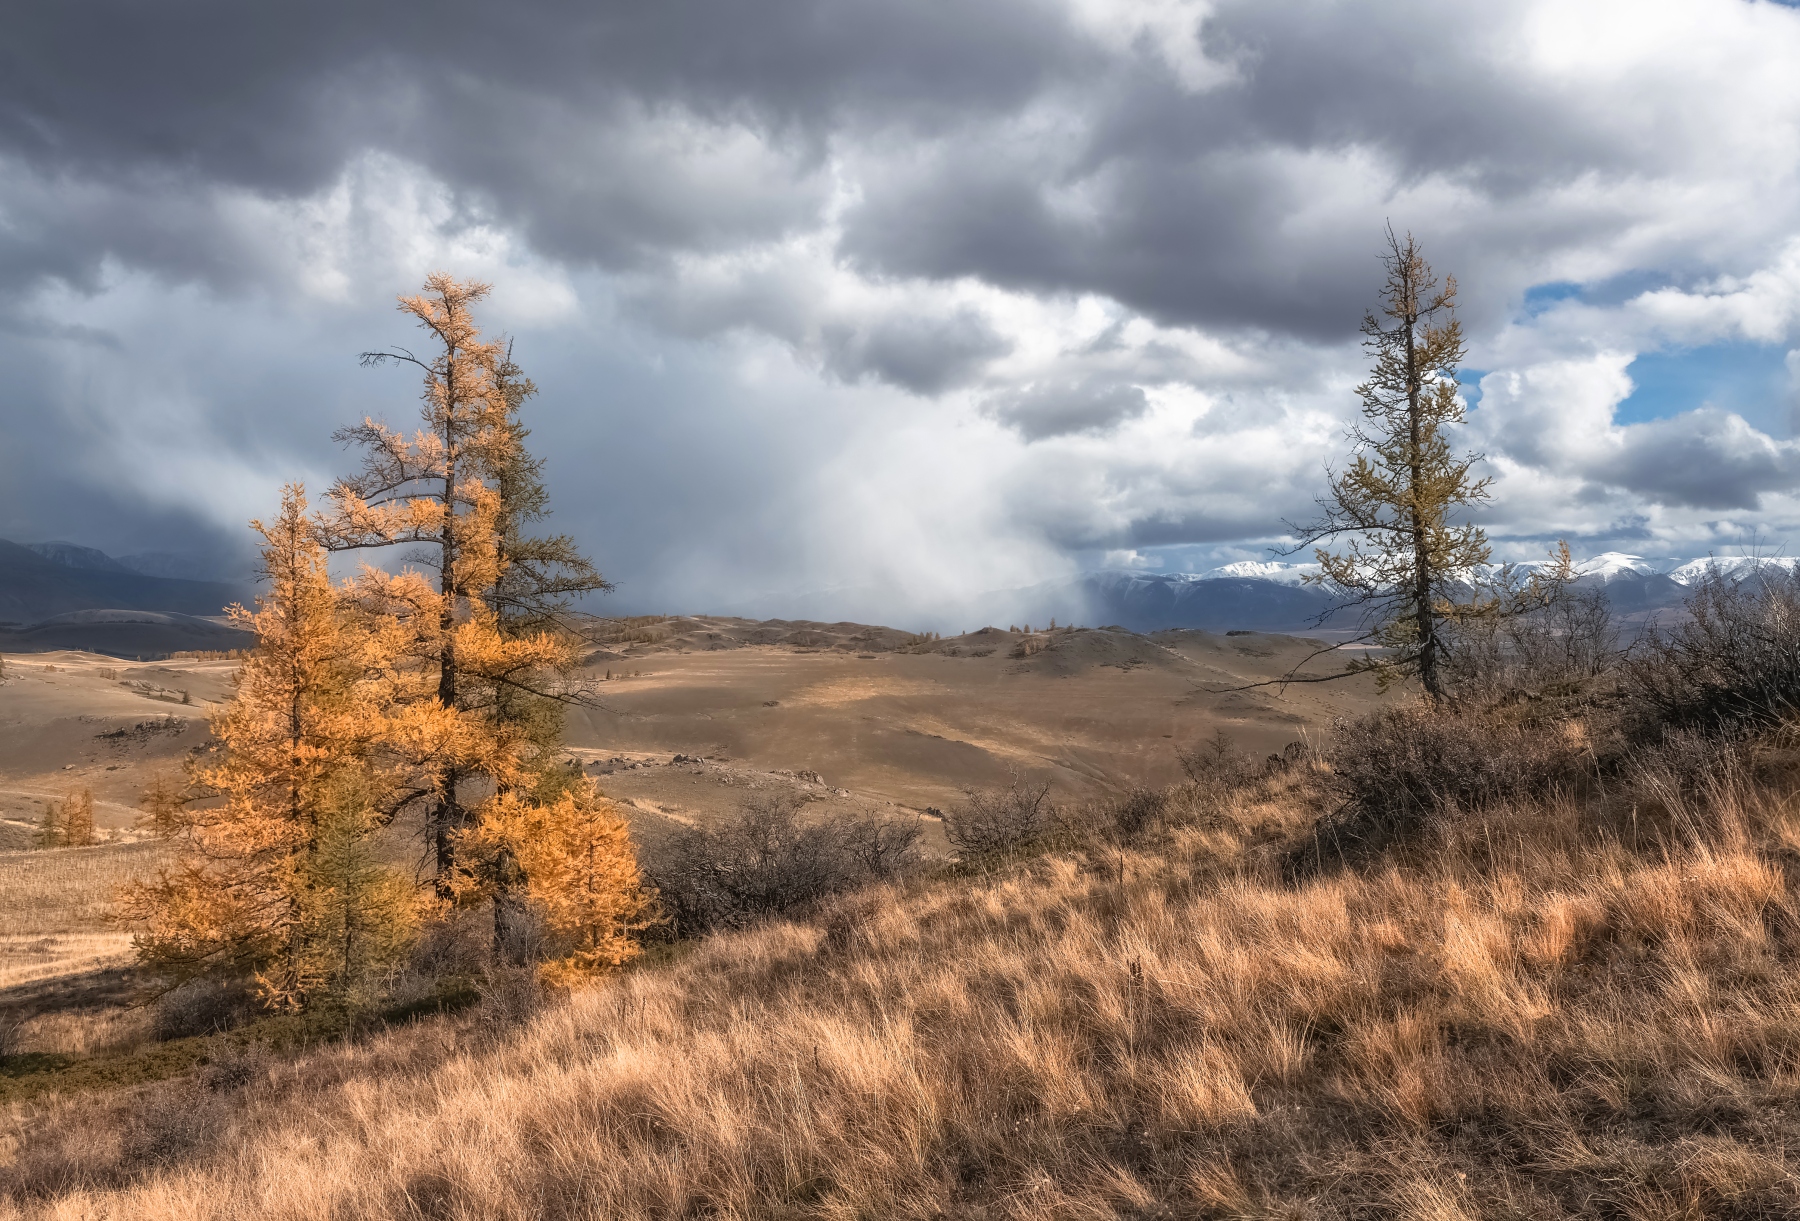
{"x":36,"y":587}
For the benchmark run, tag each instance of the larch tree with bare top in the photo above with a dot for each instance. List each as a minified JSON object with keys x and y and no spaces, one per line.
{"x":1405,"y":559}
{"x":497,"y":626}
{"x":434,"y":495}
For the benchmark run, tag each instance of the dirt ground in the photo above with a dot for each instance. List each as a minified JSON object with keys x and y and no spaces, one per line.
{"x":1092,"y":711}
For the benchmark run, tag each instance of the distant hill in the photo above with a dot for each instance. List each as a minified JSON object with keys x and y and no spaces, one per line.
{"x":1150,"y":602}
{"x":124,"y":633}
{"x":50,"y":579}
{"x":74,"y":555}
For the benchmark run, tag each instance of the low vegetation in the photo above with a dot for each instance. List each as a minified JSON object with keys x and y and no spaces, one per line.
{"x":769,"y":860}
{"x":1551,"y":975}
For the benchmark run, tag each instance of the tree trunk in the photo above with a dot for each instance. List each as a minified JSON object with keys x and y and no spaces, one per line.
{"x":448,"y":815}
{"x":1421,"y":591}
{"x":509,"y":909}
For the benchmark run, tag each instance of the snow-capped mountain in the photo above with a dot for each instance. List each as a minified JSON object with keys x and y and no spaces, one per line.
{"x":1270,"y":595}
{"x":1260,"y":570}
{"x":1605,"y":568}
{"x":1734,"y":566}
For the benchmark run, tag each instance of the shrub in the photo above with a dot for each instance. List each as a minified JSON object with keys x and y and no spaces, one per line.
{"x":1139,"y":810}
{"x":233,"y":1066}
{"x":884,"y":848}
{"x":200,"y":1007}
{"x":1216,"y":762}
{"x":170,"y":1126}
{"x":1108,"y":822}
{"x":511,"y":996}
{"x":1558,"y":645}
{"x":1001,"y":820}
{"x":1396,"y":768}
{"x":1733,"y":659}
{"x":766,"y":861}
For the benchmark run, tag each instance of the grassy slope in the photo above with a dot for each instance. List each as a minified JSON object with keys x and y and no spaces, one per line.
{"x":1529,"y":1018}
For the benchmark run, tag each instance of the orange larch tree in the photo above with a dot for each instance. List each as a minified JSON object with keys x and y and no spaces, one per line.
{"x":298,"y":768}
{"x":572,"y":860}
{"x":432,"y":492}
{"x":492,"y":624}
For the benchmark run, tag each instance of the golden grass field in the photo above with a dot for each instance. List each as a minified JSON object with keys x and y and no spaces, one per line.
{"x":1525,"y":1017}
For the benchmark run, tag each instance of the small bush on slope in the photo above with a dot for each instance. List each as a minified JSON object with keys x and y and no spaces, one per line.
{"x":1523,"y":1016}
{"x":1731,"y":660}
{"x":1396,"y":769}
{"x":767,"y":861}
{"x":999,"y":822}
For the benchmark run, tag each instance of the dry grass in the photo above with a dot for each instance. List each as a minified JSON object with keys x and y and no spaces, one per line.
{"x":32,"y":957}
{"x":59,"y":955}
{"x":67,"y":890}
{"x":1523,"y":1016}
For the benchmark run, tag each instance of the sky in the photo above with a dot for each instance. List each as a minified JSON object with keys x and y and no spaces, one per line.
{"x":911,"y":301}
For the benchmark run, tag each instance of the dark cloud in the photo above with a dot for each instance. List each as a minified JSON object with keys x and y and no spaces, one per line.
{"x":1703,"y":459}
{"x":999,"y":140}
{"x":1058,"y":408}
{"x":923,"y":354}
{"x":603,"y":131}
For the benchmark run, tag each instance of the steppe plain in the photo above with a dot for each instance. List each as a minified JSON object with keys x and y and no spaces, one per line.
{"x":684,"y":717}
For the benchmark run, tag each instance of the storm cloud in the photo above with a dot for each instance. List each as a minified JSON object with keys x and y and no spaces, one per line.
{"x":924,"y":298}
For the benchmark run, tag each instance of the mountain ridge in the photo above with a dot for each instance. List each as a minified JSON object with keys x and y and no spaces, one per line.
{"x":36,"y":587}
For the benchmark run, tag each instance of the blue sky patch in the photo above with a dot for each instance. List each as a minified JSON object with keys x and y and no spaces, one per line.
{"x":1470,"y":381}
{"x":1540,"y":297}
{"x":1749,"y":379}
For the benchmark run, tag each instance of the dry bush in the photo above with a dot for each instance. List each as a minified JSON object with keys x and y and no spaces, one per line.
{"x":1108,"y":823}
{"x":1558,"y":646}
{"x":1129,"y":818}
{"x":1731,"y":660}
{"x":768,"y":861}
{"x":999,"y":822}
{"x":1216,"y":762}
{"x":884,"y":849}
{"x":511,"y":996}
{"x":201,"y":1007}
{"x":1396,"y":768}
